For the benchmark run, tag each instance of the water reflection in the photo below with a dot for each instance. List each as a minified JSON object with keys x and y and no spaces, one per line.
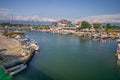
{"x":33,"y":73}
{"x":84,"y":39}
{"x":71,"y":58}
{"x":103,"y":41}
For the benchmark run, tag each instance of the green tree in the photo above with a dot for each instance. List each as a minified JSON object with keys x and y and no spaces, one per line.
{"x":85,"y":24}
{"x":108,"y":26}
{"x":5,"y":24}
{"x":96,"y":25}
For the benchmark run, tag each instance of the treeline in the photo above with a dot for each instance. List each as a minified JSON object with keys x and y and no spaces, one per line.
{"x":83,"y":25}
{"x":24,"y":26}
{"x":107,"y":27}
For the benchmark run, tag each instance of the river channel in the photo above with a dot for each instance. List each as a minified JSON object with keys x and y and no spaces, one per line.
{"x":68,"y":57}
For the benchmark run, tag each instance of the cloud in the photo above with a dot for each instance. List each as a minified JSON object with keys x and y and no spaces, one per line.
{"x":5,"y":14}
{"x":114,"y":18}
{"x":5,"y":11}
{"x":32,"y":18}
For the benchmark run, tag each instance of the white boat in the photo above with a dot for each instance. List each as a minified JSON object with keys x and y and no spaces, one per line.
{"x":14,"y":70}
{"x":118,"y":40}
{"x":95,"y":35}
{"x":34,"y":45}
{"x":119,"y":57}
{"x":118,"y":51}
{"x":103,"y":36}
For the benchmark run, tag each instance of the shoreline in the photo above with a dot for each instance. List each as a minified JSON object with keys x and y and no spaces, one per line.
{"x":11,"y":53}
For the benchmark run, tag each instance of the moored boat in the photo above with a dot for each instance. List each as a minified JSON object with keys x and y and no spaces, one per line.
{"x":14,"y":70}
{"x":118,"y":50}
{"x":14,"y":32}
{"x":34,"y":45}
{"x":95,"y":36}
{"x":104,"y":36}
{"x":118,"y":56}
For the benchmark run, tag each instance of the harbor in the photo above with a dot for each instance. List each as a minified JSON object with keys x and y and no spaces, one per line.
{"x":20,"y":46}
{"x":68,"y":57}
{"x":59,"y":40}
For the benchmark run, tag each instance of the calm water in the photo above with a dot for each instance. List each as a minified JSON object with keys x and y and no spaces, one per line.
{"x":65,"y":57}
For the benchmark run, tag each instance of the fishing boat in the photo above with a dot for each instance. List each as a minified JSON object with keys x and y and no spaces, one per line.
{"x":118,"y":51}
{"x":118,"y":56}
{"x":95,"y":36}
{"x":118,"y":40}
{"x":104,"y":36}
{"x":34,"y":45}
{"x":14,"y":70}
{"x":14,"y":32}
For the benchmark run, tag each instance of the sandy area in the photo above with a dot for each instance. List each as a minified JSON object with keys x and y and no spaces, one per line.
{"x":12,"y":46}
{"x":9,"y":51}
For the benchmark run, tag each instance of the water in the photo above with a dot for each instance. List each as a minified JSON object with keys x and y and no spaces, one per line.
{"x":66,"y":57}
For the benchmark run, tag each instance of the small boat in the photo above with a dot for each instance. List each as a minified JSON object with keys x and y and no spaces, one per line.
{"x":14,"y":70}
{"x":118,"y":56}
{"x":21,"y":38}
{"x":104,"y":36}
{"x":95,"y":36}
{"x":34,"y":45}
{"x":14,"y":32}
{"x":118,"y":40}
{"x":118,"y":51}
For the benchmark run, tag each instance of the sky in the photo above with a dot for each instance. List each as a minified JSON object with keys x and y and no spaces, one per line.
{"x":59,"y":9}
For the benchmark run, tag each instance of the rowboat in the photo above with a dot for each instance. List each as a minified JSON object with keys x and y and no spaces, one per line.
{"x":14,"y":70}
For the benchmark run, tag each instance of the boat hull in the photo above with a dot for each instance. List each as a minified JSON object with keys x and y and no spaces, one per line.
{"x":14,"y":70}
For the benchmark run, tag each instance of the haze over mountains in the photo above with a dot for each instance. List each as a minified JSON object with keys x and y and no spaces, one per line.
{"x":7,"y":15}
{"x":113,"y":18}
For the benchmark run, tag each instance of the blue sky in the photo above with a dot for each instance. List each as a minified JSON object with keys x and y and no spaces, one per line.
{"x":59,"y":9}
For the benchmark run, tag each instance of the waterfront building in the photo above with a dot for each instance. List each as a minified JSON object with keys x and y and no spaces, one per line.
{"x":78,"y":24}
{"x":64,"y":23}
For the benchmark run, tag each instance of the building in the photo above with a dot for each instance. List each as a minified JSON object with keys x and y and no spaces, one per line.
{"x":78,"y":24}
{"x":64,"y":23}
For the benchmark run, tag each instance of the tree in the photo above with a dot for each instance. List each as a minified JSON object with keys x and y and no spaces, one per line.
{"x":96,"y":25}
{"x":108,"y":26}
{"x":5,"y":24}
{"x":85,"y":24}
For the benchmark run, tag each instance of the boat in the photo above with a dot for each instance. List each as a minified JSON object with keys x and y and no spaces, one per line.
{"x":14,"y":70}
{"x":104,"y":36}
{"x":14,"y":32}
{"x":118,"y":56}
{"x":118,"y":51}
{"x":34,"y":45}
{"x":118,"y":40}
{"x":95,"y":36}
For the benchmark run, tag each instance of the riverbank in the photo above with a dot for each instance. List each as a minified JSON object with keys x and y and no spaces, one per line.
{"x":88,"y":32}
{"x":11,"y":52}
